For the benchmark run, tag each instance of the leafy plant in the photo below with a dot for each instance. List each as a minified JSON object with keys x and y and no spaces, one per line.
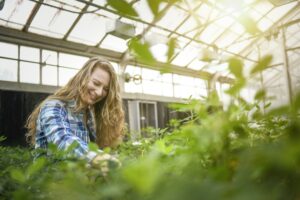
{"x":237,"y":153}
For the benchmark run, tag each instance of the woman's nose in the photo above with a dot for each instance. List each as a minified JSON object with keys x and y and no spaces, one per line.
{"x":99,"y":92}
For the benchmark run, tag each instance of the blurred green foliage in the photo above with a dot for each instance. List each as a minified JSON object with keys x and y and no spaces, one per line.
{"x":217,"y":154}
{"x":239,"y":153}
{"x":123,"y":8}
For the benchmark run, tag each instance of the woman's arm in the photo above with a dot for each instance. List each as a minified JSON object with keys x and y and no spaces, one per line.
{"x":56,"y":126}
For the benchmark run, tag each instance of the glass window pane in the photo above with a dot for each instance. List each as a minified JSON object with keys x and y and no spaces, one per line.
{"x":182,"y":91}
{"x":151,"y":87}
{"x":172,"y":18}
{"x":167,"y":78}
{"x":49,"y":75}
{"x":65,"y":75}
{"x":254,"y":14}
{"x":116,"y":66}
{"x":131,"y":87}
{"x":73,"y":61}
{"x":186,"y":56}
{"x":211,"y":33}
{"x":237,"y":47}
{"x":200,"y":83}
{"x":199,"y":92}
{"x":220,"y":67}
{"x":11,"y":50}
{"x":107,"y":14}
{"x":29,"y":72}
{"x":263,"y":6}
{"x":132,"y":70}
{"x":207,"y":12}
{"x":227,"y":39}
{"x":114,"y":43}
{"x":225,"y":97}
{"x":89,"y":30}
{"x":239,"y":29}
{"x":143,"y":10}
{"x":149,"y":74}
{"x":52,"y":22}
{"x":197,"y":64}
{"x":159,"y":51}
{"x":176,"y":78}
{"x":264,"y":24}
{"x":189,"y":27}
{"x":8,"y":70}
{"x":225,"y":22}
{"x":100,"y":2}
{"x":16,"y":12}
{"x":49,"y":57}
{"x":183,"y":80}
{"x":30,"y":54}
{"x":167,"y":89}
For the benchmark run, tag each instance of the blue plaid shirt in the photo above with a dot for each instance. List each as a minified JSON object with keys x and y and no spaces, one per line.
{"x":58,"y":123}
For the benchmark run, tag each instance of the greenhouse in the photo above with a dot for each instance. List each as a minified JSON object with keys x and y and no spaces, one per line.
{"x":150,"y":99}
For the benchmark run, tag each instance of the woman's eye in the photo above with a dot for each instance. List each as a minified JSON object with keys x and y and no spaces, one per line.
{"x":96,"y":83}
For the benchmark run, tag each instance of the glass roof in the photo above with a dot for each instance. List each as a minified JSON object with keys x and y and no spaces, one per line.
{"x":227,"y":27}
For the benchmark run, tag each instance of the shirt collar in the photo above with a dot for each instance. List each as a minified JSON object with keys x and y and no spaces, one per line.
{"x":71,"y":103}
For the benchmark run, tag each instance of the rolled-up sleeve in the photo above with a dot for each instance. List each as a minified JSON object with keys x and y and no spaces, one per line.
{"x":56,"y":127}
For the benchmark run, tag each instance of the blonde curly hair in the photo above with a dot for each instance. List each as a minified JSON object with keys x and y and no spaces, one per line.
{"x":108,"y":113}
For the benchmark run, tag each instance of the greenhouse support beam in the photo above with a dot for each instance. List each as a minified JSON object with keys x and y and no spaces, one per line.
{"x":28,"y":87}
{"x":293,"y":48}
{"x":45,"y":42}
{"x":76,"y":22}
{"x":286,"y":67}
{"x":31,"y":16}
{"x":275,"y":25}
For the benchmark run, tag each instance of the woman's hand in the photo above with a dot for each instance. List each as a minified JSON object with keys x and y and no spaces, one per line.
{"x":104,"y":162}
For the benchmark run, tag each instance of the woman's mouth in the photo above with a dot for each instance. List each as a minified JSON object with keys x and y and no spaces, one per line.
{"x":93,"y":97}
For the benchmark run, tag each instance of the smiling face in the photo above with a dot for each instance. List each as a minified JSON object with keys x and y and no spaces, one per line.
{"x":97,"y":87}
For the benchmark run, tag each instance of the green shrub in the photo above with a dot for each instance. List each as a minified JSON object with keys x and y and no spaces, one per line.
{"x":221,"y":155}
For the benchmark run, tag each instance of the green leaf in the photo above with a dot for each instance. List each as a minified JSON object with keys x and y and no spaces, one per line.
{"x":35,"y":167}
{"x":236,"y":88}
{"x":22,"y":194}
{"x":141,"y":51}
{"x":208,"y":55}
{"x":154,"y":6}
{"x":244,"y":103}
{"x":2,"y":138}
{"x":53,"y":148}
{"x":143,"y":175}
{"x":268,"y":105}
{"x":172,"y":43}
{"x":283,"y":110}
{"x":72,"y":147}
{"x":236,"y":67}
{"x":161,"y":146}
{"x":17,"y":175}
{"x":260,"y":95}
{"x":262,"y":64}
{"x":213,"y":98}
{"x":249,"y":24}
{"x":93,"y":147}
{"x":296,"y":103}
{"x":257,"y":115}
{"x":122,"y":7}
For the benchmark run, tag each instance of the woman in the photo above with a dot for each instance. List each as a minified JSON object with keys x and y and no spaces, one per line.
{"x":88,"y":108}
